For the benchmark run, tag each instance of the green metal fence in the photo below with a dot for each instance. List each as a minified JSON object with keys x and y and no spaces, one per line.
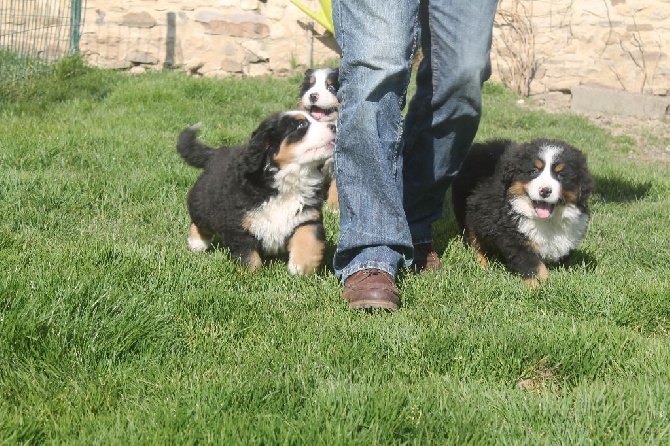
{"x":34,"y":33}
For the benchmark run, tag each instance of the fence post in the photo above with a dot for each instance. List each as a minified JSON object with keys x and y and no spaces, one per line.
{"x":170,"y":38}
{"x":75,"y":23}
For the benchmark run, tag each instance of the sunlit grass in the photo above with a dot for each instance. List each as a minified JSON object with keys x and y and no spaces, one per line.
{"x":112,"y":332}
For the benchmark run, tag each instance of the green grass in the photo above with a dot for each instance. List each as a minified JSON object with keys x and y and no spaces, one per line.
{"x":111,"y":332}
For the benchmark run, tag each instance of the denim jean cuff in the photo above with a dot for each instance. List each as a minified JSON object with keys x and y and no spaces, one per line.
{"x":350,"y":270}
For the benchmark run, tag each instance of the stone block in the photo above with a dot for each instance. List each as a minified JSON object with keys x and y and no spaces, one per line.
{"x":256,"y":51}
{"x":257,"y":69}
{"x":141,"y":57}
{"x":231,"y":65}
{"x":138,"y":20}
{"x":119,"y":65}
{"x":249,"y":5}
{"x":250,"y":26}
{"x":587,"y":100}
{"x":208,"y":16}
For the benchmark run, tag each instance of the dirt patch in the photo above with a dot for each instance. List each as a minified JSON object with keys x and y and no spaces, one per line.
{"x":540,"y":377}
{"x":651,"y":137}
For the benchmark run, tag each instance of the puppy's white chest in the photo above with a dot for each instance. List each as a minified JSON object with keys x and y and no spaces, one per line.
{"x":274,"y":222}
{"x":558,"y":236}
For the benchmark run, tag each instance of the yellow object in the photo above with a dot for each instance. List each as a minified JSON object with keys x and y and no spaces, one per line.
{"x":323,"y":16}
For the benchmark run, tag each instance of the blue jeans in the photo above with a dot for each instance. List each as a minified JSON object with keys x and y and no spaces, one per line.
{"x":392,"y":176}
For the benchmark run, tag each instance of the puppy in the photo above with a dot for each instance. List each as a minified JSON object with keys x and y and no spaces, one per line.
{"x":318,"y":96}
{"x":263,"y":198}
{"x":525,"y":203}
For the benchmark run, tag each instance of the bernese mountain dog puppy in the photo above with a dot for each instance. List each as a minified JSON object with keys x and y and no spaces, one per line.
{"x":318,"y":96}
{"x":318,"y":93}
{"x":264,"y":198}
{"x":526,"y":204}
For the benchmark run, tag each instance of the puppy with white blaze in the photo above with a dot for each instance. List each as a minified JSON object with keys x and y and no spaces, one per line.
{"x":526,"y":204}
{"x":264,"y":198}
{"x":318,"y":96}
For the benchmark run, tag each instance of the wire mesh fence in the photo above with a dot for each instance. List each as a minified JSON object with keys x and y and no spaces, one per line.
{"x":34,"y":33}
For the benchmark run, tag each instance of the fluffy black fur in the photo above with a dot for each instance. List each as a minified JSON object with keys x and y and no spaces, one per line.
{"x":227,"y":201}
{"x":524,"y":203}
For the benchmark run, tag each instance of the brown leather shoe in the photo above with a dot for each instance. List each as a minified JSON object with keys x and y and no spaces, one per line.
{"x":371,"y":288}
{"x":425,"y":258}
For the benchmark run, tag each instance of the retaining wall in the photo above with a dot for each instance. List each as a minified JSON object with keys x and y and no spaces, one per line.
{"x":539,"y":45}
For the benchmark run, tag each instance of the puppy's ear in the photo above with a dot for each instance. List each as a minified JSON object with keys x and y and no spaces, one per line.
{"x":304,"y":86}
{"x":586,"y":185}
{"x":336,"y":71}
{"x":509,"y":163}
{"x":263,"y":143}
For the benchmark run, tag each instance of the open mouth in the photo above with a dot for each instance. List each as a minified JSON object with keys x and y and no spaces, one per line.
{"x":543,"y":209}
{"x":319,"y":113}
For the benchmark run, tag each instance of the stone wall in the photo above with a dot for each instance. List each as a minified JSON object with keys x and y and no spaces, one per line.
{"x":213,"y":38}
{"x":550,"y":45}
{"x":539,"y":45}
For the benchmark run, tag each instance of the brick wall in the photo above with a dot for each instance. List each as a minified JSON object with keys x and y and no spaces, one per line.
{"x":539,"y":45}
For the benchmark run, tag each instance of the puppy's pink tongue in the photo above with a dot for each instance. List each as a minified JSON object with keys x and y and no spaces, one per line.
{"x":318,"y":115}
{"x":543,"y":210}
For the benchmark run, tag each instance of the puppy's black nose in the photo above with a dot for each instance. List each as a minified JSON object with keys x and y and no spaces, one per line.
{"x":545,"y":192}
{"x":332,"y":127}
{"x":314,"y":97}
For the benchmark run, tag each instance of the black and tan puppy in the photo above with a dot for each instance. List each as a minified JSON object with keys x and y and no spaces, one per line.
{"x":318,"y":96}
{"x":525,"y":203}
{"x":264,"y":198}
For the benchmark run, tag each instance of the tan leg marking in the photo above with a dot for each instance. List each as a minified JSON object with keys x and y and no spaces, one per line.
{"x":198,"y":240}
{"x":333,"y":200}
{"x":253,"y":261}
{"x":305,"y":250}
{"x":531,"y":283}
{"x":474,"y":242}
{"x":542,"y":275}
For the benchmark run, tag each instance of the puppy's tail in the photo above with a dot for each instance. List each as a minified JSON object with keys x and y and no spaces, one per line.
{"x":193,"y":151}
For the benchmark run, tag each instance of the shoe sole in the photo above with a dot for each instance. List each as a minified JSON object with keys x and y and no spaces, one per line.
{"x":373,"y":304}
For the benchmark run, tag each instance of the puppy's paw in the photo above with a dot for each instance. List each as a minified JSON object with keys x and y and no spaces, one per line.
{"x":197,"y":245}
{"x":540,"y":276}
{"x":197,"y":240}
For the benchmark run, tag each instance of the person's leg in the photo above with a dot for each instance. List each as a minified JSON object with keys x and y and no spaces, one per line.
{"x":377,"y":39}
{"x":444,"y":114}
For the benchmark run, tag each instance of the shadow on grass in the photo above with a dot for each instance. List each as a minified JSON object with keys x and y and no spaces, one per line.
{"x":587,"y":261}
{"x":619,"y":190}
{"x":328,"y":254}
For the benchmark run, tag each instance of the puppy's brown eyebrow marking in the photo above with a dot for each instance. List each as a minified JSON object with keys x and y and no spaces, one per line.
{"x":312,"y":79}
{"x":559,"y":167}
{"x":539,"y":164}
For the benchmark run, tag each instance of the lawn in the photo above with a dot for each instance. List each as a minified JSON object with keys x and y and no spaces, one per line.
{"x":112,"y":332}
